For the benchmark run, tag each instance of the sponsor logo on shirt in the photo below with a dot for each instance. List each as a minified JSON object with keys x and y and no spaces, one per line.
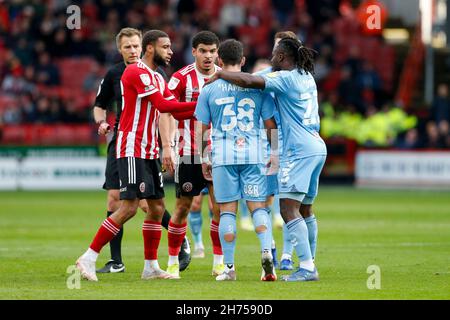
{"x":145,"y":78}
{"x":173,"y":83}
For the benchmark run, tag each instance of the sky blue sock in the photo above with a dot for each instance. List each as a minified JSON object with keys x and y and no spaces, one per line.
{"x":287,"y":245}
{"x":195,"y":224}
{"x":227,"y":225}
{"x":261,"y":217}
{"x":311,"y":224}
{"x":299,"y":234}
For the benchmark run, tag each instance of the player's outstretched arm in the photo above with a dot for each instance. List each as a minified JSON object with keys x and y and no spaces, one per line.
{"x":170,"y":106}
{"x":241,"y":79}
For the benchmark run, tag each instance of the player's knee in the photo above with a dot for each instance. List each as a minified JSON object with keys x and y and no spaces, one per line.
{"x":261,"y":228}
{"x":306,"y":210}
{"x":129,"y":212}
{"x":229,"y":237}
{"x":183,"y":206}
{"x":113,"y":201}
{"x":196,"y":205}
{"x":144,"y":207}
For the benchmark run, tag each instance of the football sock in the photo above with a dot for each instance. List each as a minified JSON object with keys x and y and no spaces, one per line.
{"x":195,"y":224}
{"x":215,"y":239}
{"x":90,"y":255}
{"x":115,"y":245}
{"x":261,"y":218}
{"x":175,"y":236}
{"x":218,"y":259}
{"x":227,"y":225}
{"x":107,"y":231}
{"x":287,"y":245}
{"x":311,"y":223}
{"x":308,"y":265}
{"x":299,"y":236}
{"x":151,"y":232}
{"x":151,"y":264}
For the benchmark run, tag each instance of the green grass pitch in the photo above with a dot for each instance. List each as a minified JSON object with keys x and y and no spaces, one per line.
{"x":405,"y":233}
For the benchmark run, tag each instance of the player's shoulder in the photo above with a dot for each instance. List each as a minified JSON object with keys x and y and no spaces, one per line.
{"x":135,"y":69}
{"x":263,"y":71}
{"x":183,"y":72}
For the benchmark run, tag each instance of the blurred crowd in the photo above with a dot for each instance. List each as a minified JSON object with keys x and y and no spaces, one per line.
{"x":35,"y":84}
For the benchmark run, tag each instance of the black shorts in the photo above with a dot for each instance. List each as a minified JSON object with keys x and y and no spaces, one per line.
{"x":111,"y":171}
{"x":140,"y":178}
{"x":189,"y":180}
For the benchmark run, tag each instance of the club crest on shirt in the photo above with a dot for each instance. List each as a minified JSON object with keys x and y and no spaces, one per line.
{"x":272,"y":74}
{"x":145,"y":78}
{"x":187,"y":187}
{"x":173,"y":83}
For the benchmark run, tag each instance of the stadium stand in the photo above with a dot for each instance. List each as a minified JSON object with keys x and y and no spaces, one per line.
{"x":61,"y":91}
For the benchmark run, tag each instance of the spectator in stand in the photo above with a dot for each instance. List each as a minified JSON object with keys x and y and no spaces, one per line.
{"x":440,"y":110}
{"x":322,"y":10}
{"x":28,"y":108}
{"x":43,"y":114}
{"x":283,"y":11}
{"x":368,"y":83}
{"x":434,"y":140}
{"x":46,"y":72}
{"x":409,"y":140}
{"x":60,"y":45}
{"x":232,"y":15}
{"x":348,"y":93}
{"x":93,"y":79}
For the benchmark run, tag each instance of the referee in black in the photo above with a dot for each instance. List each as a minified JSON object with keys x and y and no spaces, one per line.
{"x":128,"y":42}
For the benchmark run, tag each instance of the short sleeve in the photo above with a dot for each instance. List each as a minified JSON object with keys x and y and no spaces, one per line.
{"x":105,"y":93}
{"x":175,"y":85}
{"x":202,"y":110}
{"x":268,"y":107}
{"x":276,"y":82}
{"x":168,"y":95}
{"x":140,"y":80}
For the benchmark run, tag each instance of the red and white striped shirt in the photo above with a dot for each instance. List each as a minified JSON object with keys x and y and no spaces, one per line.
{"x":186,"y":85}
{"x":137,"y":134}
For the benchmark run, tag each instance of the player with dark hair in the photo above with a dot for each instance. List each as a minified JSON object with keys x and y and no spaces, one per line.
{"x":304,"y":151}
{"x":186,"y":84}
{"x":145,"y":95}
{"x":128,"y":42}
{"x":238,"y":163}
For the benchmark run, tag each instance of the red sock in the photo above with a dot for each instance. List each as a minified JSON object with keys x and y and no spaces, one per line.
{"x":151,"y":232}
{"x":176,"y":234}
{"x":105,"y":234}
{"x":214,"y":233}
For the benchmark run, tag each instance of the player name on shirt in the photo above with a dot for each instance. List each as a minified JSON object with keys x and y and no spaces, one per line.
{"x":226,"y":87}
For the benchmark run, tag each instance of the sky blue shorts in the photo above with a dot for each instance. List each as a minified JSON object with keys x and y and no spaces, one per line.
{"x":299,"y":179}
{"x":246,"y":181}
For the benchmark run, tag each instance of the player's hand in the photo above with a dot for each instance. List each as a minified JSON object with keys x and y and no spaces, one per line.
{"x":207,"y":170}
{"x":104,"y":128}
{"x":273,"y":165}
{"x":168,"y":160}
{"x":214,"y":77}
